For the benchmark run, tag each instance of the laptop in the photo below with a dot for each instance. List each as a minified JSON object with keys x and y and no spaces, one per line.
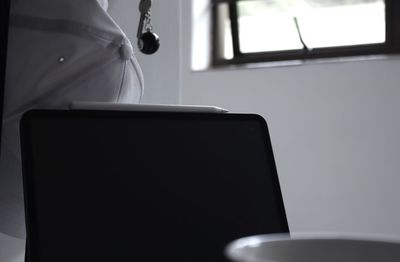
{"x":146,"y":186}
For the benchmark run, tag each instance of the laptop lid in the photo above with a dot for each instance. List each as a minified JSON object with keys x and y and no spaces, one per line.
{"x":145,"y":186}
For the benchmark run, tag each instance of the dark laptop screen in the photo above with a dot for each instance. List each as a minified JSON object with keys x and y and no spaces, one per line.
{"x":115,"y":186}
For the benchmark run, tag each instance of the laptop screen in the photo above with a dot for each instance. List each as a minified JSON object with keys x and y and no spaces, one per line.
{"x":129,"y":186}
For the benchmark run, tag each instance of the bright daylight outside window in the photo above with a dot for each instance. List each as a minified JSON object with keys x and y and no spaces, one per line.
{"x":270,"y":30}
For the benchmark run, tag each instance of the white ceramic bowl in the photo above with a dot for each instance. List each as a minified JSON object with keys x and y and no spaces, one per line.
{"x":314,"y":248}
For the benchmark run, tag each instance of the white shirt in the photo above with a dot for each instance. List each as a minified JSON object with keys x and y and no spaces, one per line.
{"x":59,"y":51}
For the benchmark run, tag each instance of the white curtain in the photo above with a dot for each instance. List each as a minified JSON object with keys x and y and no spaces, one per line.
{"x":11,"y":249}
{"x":59,"y":51}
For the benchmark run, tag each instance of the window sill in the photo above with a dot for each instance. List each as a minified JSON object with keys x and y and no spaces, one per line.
{"x":292,"y":63}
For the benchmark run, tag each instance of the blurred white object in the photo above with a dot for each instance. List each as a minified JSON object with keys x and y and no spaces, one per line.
{"x":314,"y":248}
{"x":11,"y":249}
{"x":103,"y":4}
{"x":59,"y":51}
{"x":88,"y":105}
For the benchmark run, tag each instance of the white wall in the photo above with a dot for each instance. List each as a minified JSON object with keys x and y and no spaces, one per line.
{"x":161,"y":70}
{"x":334,"y":126}
{"x":335,"y":130}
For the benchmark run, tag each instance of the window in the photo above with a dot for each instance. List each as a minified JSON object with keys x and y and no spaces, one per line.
{"x":246,"y":31}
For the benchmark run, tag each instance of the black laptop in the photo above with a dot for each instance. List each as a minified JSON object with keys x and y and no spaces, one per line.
{"x":146,"y":186}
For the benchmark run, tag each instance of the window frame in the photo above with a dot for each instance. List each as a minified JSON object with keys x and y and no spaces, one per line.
{"x":390,"y":46}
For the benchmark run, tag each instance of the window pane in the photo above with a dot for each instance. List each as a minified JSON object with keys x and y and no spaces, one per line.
{"x":268,"y":25}
{"x":224,"y":26}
